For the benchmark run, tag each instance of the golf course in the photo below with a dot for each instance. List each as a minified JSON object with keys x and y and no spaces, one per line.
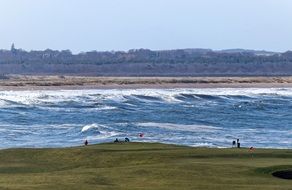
{"x":143,"y":166}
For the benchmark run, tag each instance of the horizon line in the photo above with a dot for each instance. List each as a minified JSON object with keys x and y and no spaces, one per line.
{"x":128,"y":50}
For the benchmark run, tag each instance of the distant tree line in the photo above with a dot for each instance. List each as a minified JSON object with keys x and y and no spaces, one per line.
{"x":144,"y":62}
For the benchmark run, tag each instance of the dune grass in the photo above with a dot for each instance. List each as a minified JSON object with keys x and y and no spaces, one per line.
{"x":142,"y":166}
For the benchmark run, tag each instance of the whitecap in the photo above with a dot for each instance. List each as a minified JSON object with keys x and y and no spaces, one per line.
{"x":43,"y":97}
{"x":89,"y":127}
{"x":181,"y":127}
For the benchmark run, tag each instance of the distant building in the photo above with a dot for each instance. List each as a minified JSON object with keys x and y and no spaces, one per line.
{"x":13,"y":49}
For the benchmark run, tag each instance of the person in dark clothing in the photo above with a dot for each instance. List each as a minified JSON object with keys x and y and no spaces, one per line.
{"x":86,"y":142}
{"x":233,"y":143}
{"x":238,"y":143}
{"x":117,"y":140}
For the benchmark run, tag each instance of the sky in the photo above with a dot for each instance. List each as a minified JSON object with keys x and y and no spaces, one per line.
{"x":105,"y":25}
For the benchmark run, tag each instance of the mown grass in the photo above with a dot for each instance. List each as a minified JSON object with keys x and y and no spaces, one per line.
{"x":143,"y":166}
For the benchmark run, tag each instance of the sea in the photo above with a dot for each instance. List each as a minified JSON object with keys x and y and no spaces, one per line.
{"x":207,"y":117}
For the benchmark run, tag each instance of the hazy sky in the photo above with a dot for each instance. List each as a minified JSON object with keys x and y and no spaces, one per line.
{"x":83,"y":25}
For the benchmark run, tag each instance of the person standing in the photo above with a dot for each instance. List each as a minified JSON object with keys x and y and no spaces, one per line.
{"x":233,"y":144}
{"x":238,"y":143}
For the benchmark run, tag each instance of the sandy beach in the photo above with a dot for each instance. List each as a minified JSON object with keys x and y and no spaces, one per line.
{"x":17,"y":82}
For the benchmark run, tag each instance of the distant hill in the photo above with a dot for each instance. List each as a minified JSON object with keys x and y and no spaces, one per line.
{"x":254,"y":52}
{"x":145,"y":62}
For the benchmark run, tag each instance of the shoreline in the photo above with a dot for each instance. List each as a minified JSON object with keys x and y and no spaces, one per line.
{"x":23,"y":83}
{"x":144,"y":142}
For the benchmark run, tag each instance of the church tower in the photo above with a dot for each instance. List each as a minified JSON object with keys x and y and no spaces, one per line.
{"x":13,"y":50}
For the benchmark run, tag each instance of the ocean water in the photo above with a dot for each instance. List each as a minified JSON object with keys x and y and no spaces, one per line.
{"x":259,"y":117}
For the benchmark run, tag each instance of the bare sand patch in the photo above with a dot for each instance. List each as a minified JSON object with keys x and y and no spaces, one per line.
{"x":21,"y":82}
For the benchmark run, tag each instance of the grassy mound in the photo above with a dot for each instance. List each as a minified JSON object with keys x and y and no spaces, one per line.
{"x":142,"y":166}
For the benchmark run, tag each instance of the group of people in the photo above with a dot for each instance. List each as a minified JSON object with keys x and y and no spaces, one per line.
{"x":115,"y":141}
{"x":126,"y":140}
{"x":236,"y":143}
{"x":141,"y":135}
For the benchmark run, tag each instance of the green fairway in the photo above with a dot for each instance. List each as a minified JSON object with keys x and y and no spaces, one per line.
{"x":143,"y":166}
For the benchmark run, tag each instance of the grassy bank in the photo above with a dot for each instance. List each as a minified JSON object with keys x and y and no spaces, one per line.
{"x":142,"y":166}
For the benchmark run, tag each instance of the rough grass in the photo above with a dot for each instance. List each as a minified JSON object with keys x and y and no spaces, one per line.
{"x":143,"y":166}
